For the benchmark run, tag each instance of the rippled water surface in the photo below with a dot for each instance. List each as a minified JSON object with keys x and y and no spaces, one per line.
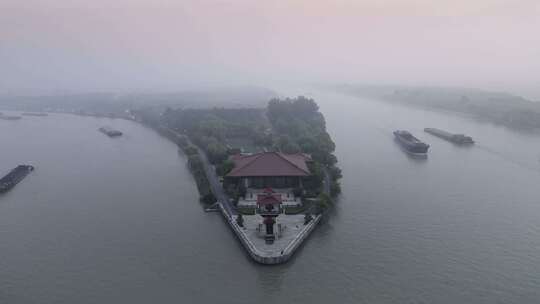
{"x":106,"y":220}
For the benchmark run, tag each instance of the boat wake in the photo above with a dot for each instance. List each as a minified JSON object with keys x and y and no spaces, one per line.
{"x":523,"y":164}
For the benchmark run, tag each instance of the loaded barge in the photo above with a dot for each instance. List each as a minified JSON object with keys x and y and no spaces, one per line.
{"x":410,"y":143}
{"x":8,"y":117}
{"x":35,"y":114}
{"x":110,"y":132}
{"x":14,"y":177}
{"x":460,"y":139}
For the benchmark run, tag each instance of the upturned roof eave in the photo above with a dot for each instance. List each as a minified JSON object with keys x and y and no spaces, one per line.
{"x":297,"y":170}
{"x":267,"y":175}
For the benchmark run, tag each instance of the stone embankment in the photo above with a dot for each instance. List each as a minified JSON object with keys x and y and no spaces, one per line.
{"x":271,"y":257}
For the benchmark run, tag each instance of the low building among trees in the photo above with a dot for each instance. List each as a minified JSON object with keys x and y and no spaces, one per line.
{"x":271,"y":180}
{"x":285,"y":174}
{"x":269,"y":169}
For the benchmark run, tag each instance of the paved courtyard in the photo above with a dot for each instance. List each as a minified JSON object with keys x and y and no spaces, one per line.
{"x":293,"y":224}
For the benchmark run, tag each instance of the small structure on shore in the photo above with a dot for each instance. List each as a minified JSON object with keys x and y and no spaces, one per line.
{"x":269,"y":208}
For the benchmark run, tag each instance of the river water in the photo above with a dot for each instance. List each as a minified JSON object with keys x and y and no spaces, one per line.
{"x":106,"y":220}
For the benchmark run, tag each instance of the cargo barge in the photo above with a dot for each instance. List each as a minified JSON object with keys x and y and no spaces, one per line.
{"x":9,"y":117}
{"x":410,"y":143}
{"x":460,"y":139}
{"x":110,"y":132}
{"x":34,"y":114}
{"x":14,"y":177}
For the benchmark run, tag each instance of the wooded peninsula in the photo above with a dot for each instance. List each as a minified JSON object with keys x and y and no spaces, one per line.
{"x":288,"y":126}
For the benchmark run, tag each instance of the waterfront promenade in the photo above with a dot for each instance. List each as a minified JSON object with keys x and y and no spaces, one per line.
{"x":283,"y":248}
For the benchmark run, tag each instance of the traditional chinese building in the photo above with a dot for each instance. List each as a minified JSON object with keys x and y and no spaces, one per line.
{"x":269,"y":169}
{"x":269,"y":179}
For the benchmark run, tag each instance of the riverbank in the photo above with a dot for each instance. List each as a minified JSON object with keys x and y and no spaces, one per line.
{"x":500,"y":108}
{"x":388,"y":240}
{"x":286,"y":245}
{"x":289,"y":136}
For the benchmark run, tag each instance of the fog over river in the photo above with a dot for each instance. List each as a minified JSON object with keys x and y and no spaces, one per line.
{"x":106,"y":220}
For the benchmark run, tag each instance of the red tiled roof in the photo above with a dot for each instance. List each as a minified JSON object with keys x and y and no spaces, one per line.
{"x":270,"y":164}
{"x":268,"y":220}
{"x":265,"y":199}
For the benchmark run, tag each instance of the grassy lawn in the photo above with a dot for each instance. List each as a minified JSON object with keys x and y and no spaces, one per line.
{"x":294,"y":210}
{"x":287,"y":210}
{"x":246,"y":210}
{"x":306,"y":206}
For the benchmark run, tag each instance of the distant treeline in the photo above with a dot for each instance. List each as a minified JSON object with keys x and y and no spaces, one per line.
{"x":110,"y":103}
{"x":496,"y":107}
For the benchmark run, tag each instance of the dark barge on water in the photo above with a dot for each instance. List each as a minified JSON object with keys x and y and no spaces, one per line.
{"x":14,"y":177}
{"x":9,"y":117}
{"x":35,"y":114}
{"x":460,"y":139}
{"x":410,"y":143}
{"x":110,"y":132}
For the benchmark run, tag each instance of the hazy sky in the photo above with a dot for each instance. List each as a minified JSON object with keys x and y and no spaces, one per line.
{"x":168,"y":44}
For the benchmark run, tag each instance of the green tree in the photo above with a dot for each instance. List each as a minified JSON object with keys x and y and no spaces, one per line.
{"x":240,"y":220}
{"x":182,"y":141}
{"x":209,"y":198}
{"x":307,"y":218}
{"x":225,"y":167}
{"x":323,"y":202}
{"x":191,"y":150}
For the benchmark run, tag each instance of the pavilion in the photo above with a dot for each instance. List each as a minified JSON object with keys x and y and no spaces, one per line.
{"x":269,"y":170}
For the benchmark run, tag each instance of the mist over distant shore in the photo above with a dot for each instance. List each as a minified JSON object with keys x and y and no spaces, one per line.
{"x":496,"y":107}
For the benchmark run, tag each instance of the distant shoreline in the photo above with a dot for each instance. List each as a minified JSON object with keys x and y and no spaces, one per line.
{"x":498,"y":108}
